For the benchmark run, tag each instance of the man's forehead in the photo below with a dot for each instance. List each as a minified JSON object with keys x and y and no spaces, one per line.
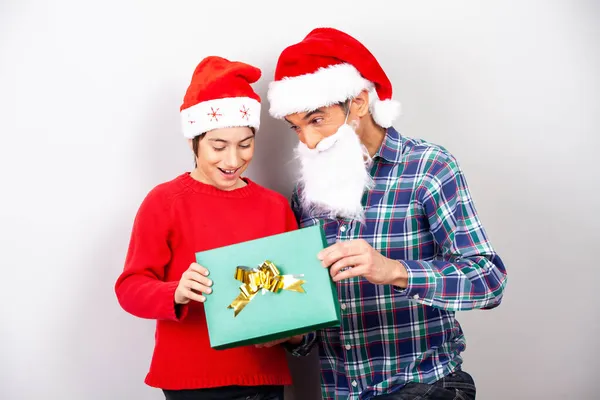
{"x":307,"y":114}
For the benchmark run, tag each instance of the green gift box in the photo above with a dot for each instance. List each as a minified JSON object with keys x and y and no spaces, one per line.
{"x":295,"y":297}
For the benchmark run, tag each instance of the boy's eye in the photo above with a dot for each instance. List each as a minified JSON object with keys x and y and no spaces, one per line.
{"x":245,"y":146}
{"x":218,"y":148}
{"x":316,"y":121}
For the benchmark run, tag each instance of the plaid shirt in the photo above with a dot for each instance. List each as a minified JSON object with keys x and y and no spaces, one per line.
{"x":420,"y":212}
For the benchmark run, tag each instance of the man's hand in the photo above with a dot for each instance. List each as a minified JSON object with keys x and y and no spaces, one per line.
{"x":365,"y":261}
{"x":293,"y":340}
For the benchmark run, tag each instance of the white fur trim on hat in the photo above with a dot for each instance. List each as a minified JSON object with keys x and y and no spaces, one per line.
{"x":326,"y":87}
{"x":220,"y":113}
{"x":384,"y":112}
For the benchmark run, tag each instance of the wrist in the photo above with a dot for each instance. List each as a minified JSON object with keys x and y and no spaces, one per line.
{"x":177,"y":300}
{"x":400,"y":275}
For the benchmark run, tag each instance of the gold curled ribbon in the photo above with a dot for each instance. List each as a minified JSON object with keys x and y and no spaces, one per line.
{"x":265,"y":277}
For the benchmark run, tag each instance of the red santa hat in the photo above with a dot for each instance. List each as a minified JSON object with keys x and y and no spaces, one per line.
{"x":329,"y":67}
{"x":220,"y":96}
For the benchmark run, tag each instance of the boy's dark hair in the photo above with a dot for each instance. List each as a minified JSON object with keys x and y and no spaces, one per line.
{"x":195,"y":145}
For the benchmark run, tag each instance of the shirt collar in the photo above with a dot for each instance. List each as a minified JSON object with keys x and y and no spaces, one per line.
{"x":391,"y":147}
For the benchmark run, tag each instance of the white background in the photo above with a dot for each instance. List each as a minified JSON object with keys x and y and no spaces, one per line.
{"x":89,"y":100}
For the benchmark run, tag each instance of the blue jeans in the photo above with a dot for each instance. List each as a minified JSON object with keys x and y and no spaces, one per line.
{"x":456,"y":386}
{"x":228,"y":393}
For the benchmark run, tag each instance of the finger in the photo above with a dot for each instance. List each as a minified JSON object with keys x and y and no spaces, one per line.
{"x":197,"y":287}
{"x":272,"y":343}
{"x":350,"y":273}
{"x":333,"y":253}
{"x":345,"y":249}
{"x":355,"y":244}
{"x":198,"y":268}
{"x":323,"y":253}
{"x":338,"y":246}
{"x":351,"y":261}
{"x":194,"y":296}
{"x":195,"y":276}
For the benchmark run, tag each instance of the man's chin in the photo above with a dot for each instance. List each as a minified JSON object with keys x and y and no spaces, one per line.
{"x":333,"y":199}
{"x":333,"y":181}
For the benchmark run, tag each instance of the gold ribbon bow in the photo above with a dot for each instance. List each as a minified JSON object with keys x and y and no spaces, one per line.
{"x":266,"y":277}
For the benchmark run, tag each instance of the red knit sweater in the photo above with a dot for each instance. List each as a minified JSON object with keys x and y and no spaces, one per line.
{"x":176,"y":220}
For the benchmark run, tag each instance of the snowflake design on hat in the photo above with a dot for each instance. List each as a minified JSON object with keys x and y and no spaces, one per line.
{"x":245,"y":112}
{"x":214,"y":114}
{"x":190,"y":119}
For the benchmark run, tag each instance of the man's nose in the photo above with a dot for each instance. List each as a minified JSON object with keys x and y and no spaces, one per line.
{"x":311,"y":140}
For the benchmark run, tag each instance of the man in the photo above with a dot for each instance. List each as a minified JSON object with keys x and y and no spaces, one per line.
{"x":407,"y":248}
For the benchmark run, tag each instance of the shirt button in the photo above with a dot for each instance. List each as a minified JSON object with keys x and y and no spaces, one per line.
{"x":343,"y":306}
{"x":416,"y":296}
{"x":348,"y":347}
{"x":354,"y":383}
{"x":343,"y":228}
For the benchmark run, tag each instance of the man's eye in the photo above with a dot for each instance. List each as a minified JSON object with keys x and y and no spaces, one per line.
{"x":245,"y":146}
{"x":316,"y":121}
{"x":218,"y":148}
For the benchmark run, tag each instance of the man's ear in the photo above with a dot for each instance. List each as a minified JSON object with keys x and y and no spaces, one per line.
{"x":191,"y":144}
{"x":360,"y":104}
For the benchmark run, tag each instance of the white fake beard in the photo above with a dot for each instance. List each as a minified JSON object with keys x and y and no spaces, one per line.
{"x":334,"y":176}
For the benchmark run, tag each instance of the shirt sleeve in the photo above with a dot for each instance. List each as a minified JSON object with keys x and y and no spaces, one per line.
{"x":141,"y":288}
{"x":467,"y":274}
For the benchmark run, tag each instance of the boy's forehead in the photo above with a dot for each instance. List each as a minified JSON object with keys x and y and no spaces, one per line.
{"x":230,"y":134}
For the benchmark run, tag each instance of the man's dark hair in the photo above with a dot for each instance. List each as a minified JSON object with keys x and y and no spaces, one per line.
{"x":345,"y":105}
